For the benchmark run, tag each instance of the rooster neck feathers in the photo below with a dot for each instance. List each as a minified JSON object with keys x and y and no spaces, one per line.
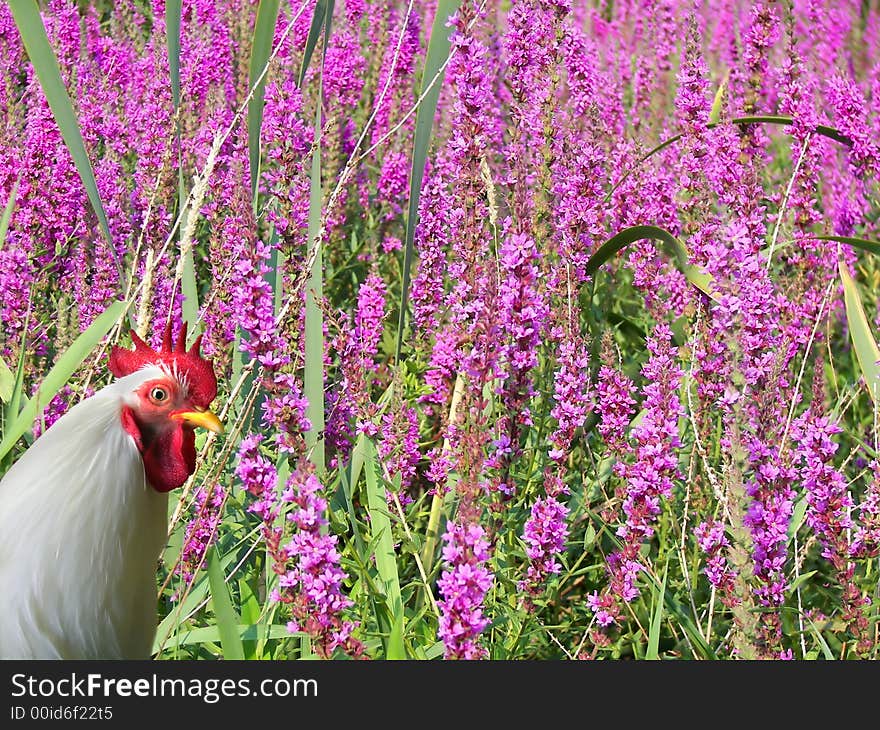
{"x":78,"y":548}
{"x":84,"y":512}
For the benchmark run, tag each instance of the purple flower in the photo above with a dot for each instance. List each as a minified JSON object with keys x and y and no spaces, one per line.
{"x":310,"y":577}
{"x":399,"y":447}
{"x":545,"y":533}
{"x":615,"y":405}
{"x":828,"y":499}
{"x":572,"y":395}
{"x":368,"y":323}
{"x":201,"y":531}
{"x":649,"y":479}
{"x":463,"y":587}
{"x":866,"y":541}
{"x":713,"y":542}
{"x":258,"y":476}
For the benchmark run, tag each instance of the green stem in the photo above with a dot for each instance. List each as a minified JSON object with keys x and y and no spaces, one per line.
{"x":432,"y":533}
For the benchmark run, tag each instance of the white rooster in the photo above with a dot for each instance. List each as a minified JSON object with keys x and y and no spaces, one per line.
{"x":84,"y":512}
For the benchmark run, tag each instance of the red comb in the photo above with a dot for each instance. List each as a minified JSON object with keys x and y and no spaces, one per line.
{"x":199,"y":373}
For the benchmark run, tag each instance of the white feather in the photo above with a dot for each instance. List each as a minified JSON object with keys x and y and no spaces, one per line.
{"x":80,"y":535}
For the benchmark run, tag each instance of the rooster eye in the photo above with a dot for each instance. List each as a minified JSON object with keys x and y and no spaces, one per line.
{"x":159,"y":395}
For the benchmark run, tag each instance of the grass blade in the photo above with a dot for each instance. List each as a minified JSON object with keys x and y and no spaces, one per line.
{"x":798,"y":515}
{"x":653,"y":651}
{"x":190,"y":291}
{"x":826,"y":650}
{"x":172,"y":625}
{"x":674,"y":248}
{"x":60,"y":373}
{"x":718,"y":101}
{"x":246,"y":632}
{"x":188,"y":286}
{"x":863,"y":243}
{"x":800,"y":580}
{"x":321,"y":17}
{"x":313,"y":378}
{"x":16,"y":396}
{"x":386,"y":560}
{"x":438,"y":52}
{"x":261,"y":49}
{"x":172,"y":26}
{"x":7,"y":214}
{"x":36,"y":43}
{"x":227,"y":620}
{"x":7,"y":382}
{"x":781,"y":120}
{"x":860,"y":331}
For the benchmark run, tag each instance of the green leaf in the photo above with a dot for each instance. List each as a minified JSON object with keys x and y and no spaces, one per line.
{"x":36,"y":43}
{"x":313,"y":377}
{"x":826,"y":650}
{"x":718,"y":101}
{"x":246,"y":632}
{"x":684,"y":621}
{"x":17,"y":398}
{"x":7,"y":382}
{"x":860,"y":332}
{"x":227,"y":620}
{"x":7,"y":214}
{"x":172,"y":26}
{"x":319,"y":17}
{"x":674,"y":248}
{"x":863,"y":243}
{"x":188,"y":286}
{"x":822,"y":129}
{"x":60,"y":373}
{"x":261,"y":49}
{"x":800,"y":580}
{"x":170,"y":627}
{"x":798,"y":513}
{"x":653,"y":651}
{"x":190,"y":292}
{"x":438,"y":52}
{"x":386,"y":559}
{"x":348,"y":478}
{"x":435,"y":651}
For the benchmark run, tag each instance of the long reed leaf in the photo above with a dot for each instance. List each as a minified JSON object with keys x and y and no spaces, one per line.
{"x":320,"y":18}
{"x":7,"y":381}
{"x":171,"y":626}
{"x":261,"y":49}
{"x":72,"y":358}
{"x":227,"y":620}
{"x":435,"y":58}
{"x":17,"y":396}
{"x":653,"y":651}
{"x":7,"y":214}
{"x":386,"y":560}
{"x":173,"y":11}
{"x":866,"y":349}
{"x":313,"y":378}
{"x":36,"y":43}
{"x":777,"y":119}
{"x":674,"y":247}
{"x":864,"y":244}
{"x":188,"y":286}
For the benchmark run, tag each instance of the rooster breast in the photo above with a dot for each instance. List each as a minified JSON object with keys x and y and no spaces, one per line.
{"x":80,"y":534}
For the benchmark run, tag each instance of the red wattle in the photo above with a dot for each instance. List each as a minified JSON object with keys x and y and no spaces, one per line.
{"x":169,"y":455}
{"x":170,"y":458}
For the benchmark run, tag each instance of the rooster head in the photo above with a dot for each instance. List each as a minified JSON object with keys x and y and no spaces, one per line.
{"x":162,"y":413}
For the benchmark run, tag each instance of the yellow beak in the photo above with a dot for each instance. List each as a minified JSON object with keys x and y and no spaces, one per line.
{"x":205,"y":419}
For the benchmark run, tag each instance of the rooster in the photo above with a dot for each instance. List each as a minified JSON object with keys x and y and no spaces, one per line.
{"x":84,"y":512}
